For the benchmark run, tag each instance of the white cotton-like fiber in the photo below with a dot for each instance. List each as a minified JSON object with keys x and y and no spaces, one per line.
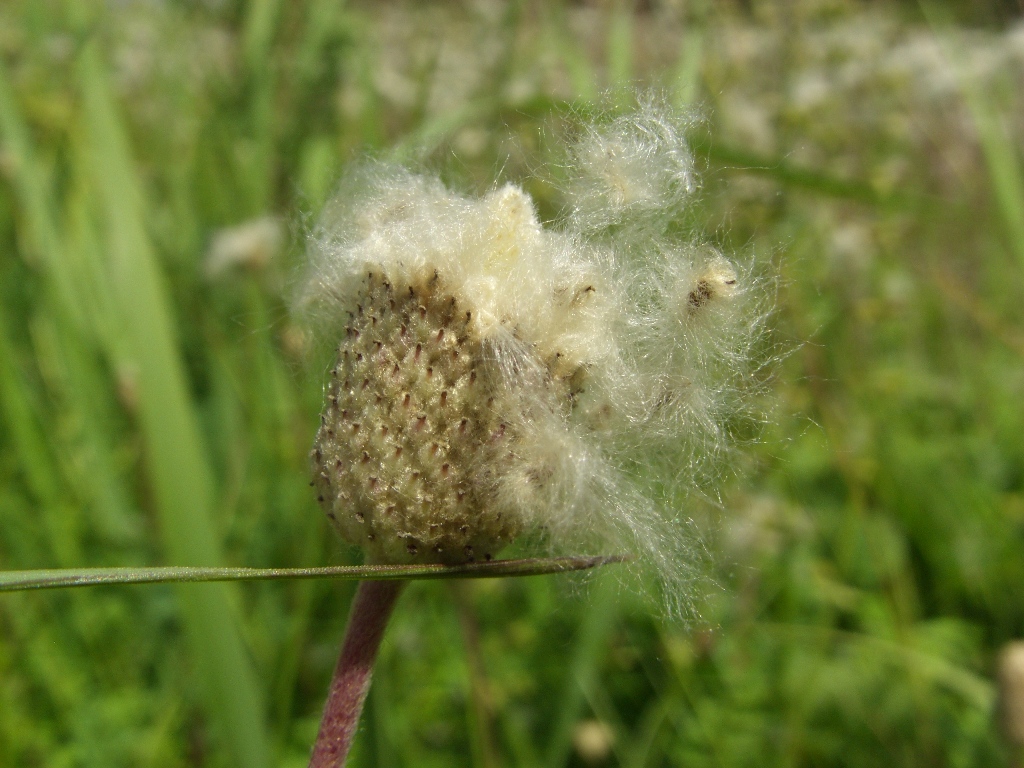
{"x":496,"y":377}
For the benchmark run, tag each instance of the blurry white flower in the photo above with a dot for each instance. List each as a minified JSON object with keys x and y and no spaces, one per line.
{"x":593,"y":741}
{"x":251,"y":244}
{"x":495,"y":376}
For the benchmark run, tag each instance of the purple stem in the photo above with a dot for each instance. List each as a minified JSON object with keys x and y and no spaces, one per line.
{"x":367,"y":620}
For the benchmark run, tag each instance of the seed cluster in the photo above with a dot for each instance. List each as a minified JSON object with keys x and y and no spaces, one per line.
{"x":416,"y":431}
{"x":499,"y":376}
{"x":717,"y":281}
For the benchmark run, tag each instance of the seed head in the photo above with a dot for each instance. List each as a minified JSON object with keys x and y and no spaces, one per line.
{"x":495,"y":377}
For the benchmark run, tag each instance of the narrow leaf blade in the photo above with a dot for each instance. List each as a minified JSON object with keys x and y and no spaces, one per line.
{"x":12,"y":581}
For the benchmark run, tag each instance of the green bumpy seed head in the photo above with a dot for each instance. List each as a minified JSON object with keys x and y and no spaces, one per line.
{"x":418,"y":431}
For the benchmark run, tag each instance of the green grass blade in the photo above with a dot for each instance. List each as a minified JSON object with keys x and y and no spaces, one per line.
{"x":1004,"y":168}
{"x":20,"y":417}
{"x":797,"y":177}
{"x":30,"y":186}
{"x":602,"y":613}
{"x":1002,"y":158}
{"x":176,"y":463}
{"x":261,"y":21}
{"x":686,"y":81}
{"x":42,"y":241}
{"x":12,"y":581}
{"x":579,"y":68}
{"x":619,"y":50}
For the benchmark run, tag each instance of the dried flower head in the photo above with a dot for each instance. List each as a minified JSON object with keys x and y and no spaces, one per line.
{"x":495,"y":376}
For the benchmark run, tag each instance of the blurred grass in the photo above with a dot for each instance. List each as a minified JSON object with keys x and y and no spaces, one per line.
{"x":176,"y":466}
{"x":870,"y":557}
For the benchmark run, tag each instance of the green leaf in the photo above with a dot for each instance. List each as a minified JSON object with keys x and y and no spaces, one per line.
{"x":178,"y":470}
{"x":12,"y":581}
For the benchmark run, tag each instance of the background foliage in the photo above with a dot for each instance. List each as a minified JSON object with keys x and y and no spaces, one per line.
{"x":158,"y":163}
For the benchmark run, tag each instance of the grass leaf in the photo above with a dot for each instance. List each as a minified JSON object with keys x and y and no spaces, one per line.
{"x":177,"y":466}
{"x":12,"y":581}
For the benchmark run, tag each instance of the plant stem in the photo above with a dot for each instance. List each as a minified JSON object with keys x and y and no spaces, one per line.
{"x":367,"y":620}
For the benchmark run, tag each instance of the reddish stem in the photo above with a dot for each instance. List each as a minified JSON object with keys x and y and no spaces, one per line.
{"x":367,"y":620}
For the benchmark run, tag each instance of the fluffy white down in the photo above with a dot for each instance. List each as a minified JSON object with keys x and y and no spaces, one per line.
{"x":662,"y":327}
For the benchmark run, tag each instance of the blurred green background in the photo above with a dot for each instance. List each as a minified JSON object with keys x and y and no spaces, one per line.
{"x":159,"y":163}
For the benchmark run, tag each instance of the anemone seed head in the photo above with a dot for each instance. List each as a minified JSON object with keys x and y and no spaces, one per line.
{"x":496,"y":377}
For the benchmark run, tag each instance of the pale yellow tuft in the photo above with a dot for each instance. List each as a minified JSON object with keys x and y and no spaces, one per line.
{"x":495,"y":376}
